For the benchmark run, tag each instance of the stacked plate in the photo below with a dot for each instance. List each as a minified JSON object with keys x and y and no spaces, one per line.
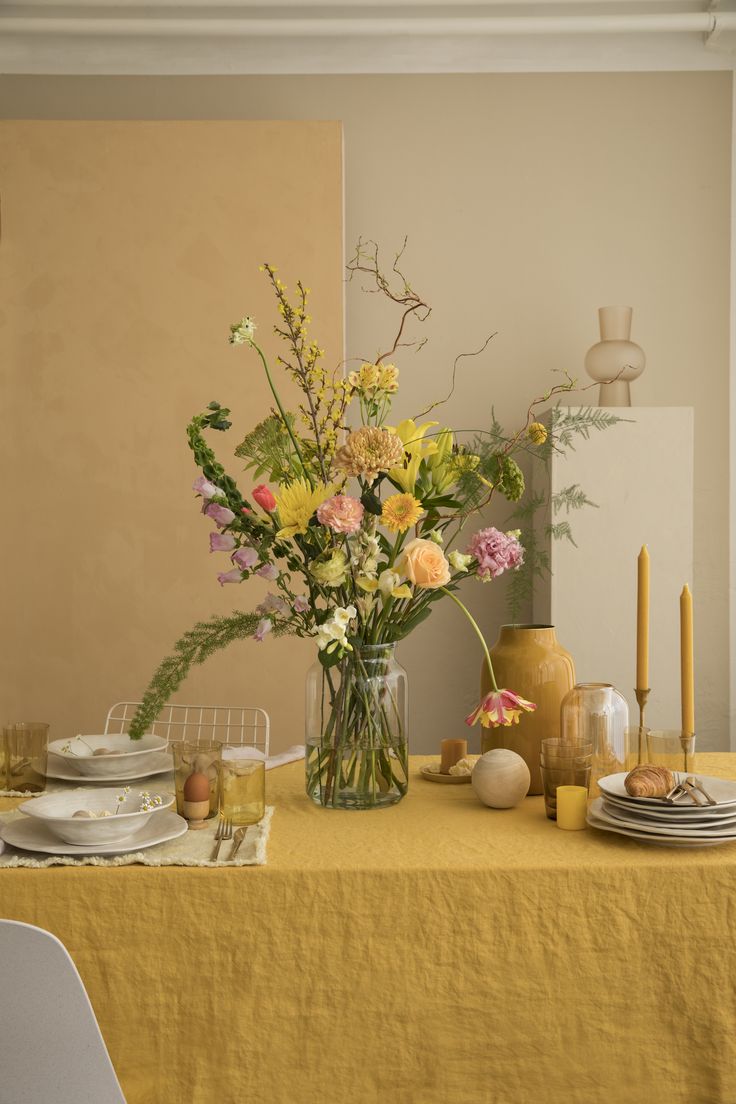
{"x":654,"y":820}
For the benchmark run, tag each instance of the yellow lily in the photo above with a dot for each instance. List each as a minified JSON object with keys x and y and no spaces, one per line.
{"x":440,"y":463}
{"x":412,"y":438}
{"x":389,"y":585}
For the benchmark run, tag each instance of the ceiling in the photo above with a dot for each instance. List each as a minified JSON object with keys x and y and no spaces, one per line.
{"x":415,"y":36}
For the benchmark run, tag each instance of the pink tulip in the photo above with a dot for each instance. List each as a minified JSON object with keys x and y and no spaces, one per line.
{"x":219,"y":514}
{"x":264,"y":498}
{"x":234,"y":576}
{"x":268,"y":571}
{"x":500,"y":707}
{"x":245,"y":558}
{"x":222,"y":542}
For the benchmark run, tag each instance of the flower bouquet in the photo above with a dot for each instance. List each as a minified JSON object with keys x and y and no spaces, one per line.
{"x":355,"y":519}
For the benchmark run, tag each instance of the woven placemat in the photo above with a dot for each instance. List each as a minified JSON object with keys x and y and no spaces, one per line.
{"x":190,"y":849}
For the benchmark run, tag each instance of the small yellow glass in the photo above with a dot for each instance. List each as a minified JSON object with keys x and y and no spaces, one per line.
{"x":25,"y":751}
{"x":243,"y":781}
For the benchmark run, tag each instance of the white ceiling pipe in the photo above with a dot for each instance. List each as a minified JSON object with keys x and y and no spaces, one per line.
{"x":684,"y":23}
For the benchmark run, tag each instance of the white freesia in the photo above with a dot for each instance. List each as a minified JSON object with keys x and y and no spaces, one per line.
{"x":242,"y":332}
{"x":334,"y":630}
{"x":388,"y":581}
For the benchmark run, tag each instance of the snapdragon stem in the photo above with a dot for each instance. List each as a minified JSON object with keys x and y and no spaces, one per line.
{"x":282,"y":412}
{"x":478,"y":633}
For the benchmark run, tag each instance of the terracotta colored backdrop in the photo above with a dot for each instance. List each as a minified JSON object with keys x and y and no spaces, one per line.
{"x":127,"y":249}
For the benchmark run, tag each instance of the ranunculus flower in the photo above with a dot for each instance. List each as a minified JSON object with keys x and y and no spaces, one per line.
{"x":264,"y":627}
{"x":222,"y":542}
{"x":331,"y":570}
{"x":264,"y":498}
{"x":268,"y":571}
{"x":234,"y":576}
{"x":206,"y":489}
{"x":495,"y":552}
{"x":425,"y":564}
{"x":341,"y":514}
{"x":500,"y":707}
{"x":459,"y":561}
{"x":301,"y":604}
{"x":245,"y":558}
{"x":219,"y":514}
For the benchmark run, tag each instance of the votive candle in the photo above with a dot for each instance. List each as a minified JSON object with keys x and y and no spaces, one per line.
{"x":451,"y":751}
{"x":572,"y":807}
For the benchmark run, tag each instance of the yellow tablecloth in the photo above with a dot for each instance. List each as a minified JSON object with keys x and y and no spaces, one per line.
{"x":433,"y":953}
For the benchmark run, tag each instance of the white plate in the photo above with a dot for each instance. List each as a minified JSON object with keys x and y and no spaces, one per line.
{"x":596,"y":821}
{"x":30,"y":834}
{"x":721,"y":790}
{"x":680,"y":831}
{"x":60,"y":769}
{"x":685,"y":815}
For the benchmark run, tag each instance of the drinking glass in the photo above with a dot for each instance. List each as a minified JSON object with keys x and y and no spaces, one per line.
{"x":672,"y":750}
{"x":25,"y":747}
{"x":192,"y":760}
{"x":243,"y":783}
{"x":568,"y":776}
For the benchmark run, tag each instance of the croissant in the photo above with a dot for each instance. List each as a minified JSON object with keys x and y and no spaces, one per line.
{"x":649,"y":781}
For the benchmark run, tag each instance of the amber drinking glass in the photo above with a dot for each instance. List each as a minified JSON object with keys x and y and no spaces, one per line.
{"x":25,"y":752}
{"x":243,"y":783}
{"x":672,"y":750}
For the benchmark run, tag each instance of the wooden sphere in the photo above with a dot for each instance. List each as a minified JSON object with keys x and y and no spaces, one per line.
{"x":501,"y":778}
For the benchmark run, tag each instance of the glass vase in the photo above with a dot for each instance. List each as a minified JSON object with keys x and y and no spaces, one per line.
{"x":595,"y":712}
{"x":356,"y":730}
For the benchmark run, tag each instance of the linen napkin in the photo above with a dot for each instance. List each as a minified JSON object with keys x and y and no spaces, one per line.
{"x":289,"y":756}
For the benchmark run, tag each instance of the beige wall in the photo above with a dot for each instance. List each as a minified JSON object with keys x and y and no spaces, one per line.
{"x":127,"y":250}
{"x":529,"y":201}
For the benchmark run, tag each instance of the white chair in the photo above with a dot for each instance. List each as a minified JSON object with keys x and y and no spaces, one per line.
{"x":51,"y":1049}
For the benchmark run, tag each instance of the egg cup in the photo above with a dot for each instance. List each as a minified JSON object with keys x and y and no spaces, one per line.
{"x":197,"y":781}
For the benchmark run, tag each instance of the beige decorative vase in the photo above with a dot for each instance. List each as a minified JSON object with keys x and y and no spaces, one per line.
{"x":615,"y":359}
{"x":528,"y":660}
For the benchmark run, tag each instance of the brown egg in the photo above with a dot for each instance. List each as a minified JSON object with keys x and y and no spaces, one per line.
{"x":197,"y":787}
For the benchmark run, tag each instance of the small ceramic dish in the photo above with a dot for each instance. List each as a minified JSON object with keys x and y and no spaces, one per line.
{"x":117,"y":754}
{"x":447,"y":779}
{"x":57,"y":810}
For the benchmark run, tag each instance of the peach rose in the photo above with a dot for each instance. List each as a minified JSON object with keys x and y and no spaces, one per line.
{"x":424,"y":564}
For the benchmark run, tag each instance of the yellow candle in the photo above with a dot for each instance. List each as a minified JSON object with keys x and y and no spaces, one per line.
{"x":687,"y":685}
{"x":572,"y":807}
{"x":642,"y":621}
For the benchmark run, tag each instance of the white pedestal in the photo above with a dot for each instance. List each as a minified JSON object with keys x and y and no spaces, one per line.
{"x":640,"y":473}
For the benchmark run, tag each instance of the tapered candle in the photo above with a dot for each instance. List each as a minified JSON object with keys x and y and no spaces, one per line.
{"x":642,"y":621}
{"x":687,"y":686}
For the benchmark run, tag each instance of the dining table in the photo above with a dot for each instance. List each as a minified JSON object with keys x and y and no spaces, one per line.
{"x":434,"y":952}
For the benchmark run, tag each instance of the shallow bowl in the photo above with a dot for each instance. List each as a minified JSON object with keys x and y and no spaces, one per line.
{"x":98,"y":756}
{"x":56,"y":810}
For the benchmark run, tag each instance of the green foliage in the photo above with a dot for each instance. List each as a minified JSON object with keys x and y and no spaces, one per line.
{"x":197,"y":645}
{"x":268,"y":449}
{"x":205,"y":458}
{"x":571,"y":498}
{"x":567,"y":423}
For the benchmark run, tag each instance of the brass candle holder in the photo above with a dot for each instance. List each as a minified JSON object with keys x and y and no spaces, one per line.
{"x":687,"y":742}
{"x":642,"y":696}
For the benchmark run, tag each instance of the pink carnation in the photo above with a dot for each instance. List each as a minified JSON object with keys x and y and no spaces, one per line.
{"x":341,"y":514}
{"x":495,"y":552}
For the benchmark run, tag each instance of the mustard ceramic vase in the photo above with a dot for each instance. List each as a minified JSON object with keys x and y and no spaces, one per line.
{"x":528,"y":660}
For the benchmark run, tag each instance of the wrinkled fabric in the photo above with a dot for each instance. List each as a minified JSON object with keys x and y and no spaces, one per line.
{"x":434,"y":953}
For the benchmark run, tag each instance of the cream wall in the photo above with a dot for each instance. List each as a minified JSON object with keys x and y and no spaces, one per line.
{"x":529,"y":200}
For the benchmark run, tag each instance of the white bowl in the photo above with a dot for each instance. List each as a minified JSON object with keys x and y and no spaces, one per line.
{"x":56,"y":810}
{"x":122,"y":754}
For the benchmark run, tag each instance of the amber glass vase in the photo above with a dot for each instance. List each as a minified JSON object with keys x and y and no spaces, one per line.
{"x":528,"y":660}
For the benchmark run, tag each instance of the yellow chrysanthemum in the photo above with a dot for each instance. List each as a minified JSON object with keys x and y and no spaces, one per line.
{"x":296,"y":504}
{"x":400,"y":512}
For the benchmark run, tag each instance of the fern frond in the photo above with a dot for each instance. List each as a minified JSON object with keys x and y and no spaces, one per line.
{"x":197,"y":645}
{"x":571,"y":498}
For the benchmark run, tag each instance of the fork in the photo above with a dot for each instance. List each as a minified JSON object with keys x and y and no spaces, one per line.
{"x":224,"y":831}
